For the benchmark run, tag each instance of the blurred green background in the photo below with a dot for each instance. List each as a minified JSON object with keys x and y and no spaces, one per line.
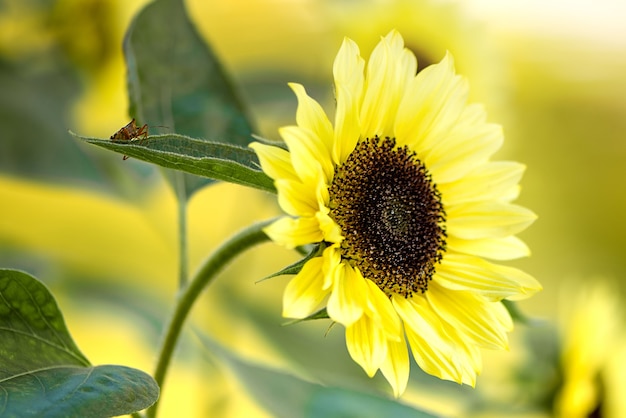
{"x":101,"y":232}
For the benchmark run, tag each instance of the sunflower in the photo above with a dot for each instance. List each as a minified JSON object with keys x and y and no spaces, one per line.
{"x":406,"y":207}
{"x":593,"y":355}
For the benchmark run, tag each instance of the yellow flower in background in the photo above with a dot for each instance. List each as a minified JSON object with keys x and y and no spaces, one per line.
{"x":402,"y":196}
{"x":593,"y":358}
{"x":421,"y":23}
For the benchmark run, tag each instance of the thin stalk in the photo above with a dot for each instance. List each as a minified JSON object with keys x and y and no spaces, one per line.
{"x":183,"y":262}
{"x":237,"y":244}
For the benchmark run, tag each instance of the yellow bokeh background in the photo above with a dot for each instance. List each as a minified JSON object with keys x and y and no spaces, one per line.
{"x":554,"y":77}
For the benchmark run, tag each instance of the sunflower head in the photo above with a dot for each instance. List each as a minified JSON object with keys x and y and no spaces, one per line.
{"x":402,"y":196}
{"x":385,"y":197}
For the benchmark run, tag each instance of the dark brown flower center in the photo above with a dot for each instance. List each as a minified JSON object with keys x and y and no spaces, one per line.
{"x":391,"y":216}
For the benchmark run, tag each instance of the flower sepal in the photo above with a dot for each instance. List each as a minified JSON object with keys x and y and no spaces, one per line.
{"x":294,"y":268}
{"x":321,"y":314}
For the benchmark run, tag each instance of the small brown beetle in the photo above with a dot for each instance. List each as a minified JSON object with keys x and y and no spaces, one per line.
{"x":129,"y":132}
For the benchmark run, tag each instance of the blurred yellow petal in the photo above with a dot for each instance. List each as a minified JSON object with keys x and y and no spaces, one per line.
{"x":593,"y":350}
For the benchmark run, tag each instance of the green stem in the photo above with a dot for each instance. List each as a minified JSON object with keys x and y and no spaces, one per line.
{"x":181,"y":191}
{"x":210,"y":268}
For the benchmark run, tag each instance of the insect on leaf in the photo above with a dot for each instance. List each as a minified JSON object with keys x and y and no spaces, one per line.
{"x":175,"y":80}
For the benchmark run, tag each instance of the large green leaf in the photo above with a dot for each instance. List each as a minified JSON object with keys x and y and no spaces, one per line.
{"x":285,"y":395}
{"x":34,"y":115}
{"x":175,"y":80}
{"x":42,"y":371}
{"x":65,"y":391}
{"x":213,"y":160}
{"x":32,"y":331}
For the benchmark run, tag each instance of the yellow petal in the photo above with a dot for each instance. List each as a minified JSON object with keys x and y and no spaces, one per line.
{"x":296,"y":198}
{"x":349,"y":80}
{"x":466,"y":357}
{"x":311,"y":116}
{"x":407,"y":70}
{"x":396,"y":366}
{"x":305,"y":292}
{"x":432,"y":104}
{"x":366,"y":344}
{"x":430,"y":347}
{"x":491,"y":181}
{"x":380,"y":309}
{"x":468,"y":145}
{"x":308,"y":153}
{"x":347,"y":125}
{"x":330,"y":229}
{"x":384,"y":86}
{"x":502,"y":315}
{"x":275,"y":161}
{"x":493,"y":281}
{"x":470,"y":314}
{"x":487,"y":220}
{"x":507,"y":248}
{"x":348,"y":69}
{"x":332,"y":262}
{"x":291,"y":232}
{"x":346,"y":301}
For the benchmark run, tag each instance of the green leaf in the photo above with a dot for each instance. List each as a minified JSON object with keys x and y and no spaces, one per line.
{"x":42,"y":371}
{"x":64,"y":391}
{"x":516,"y":313}
{"x":285,"y":395}
{"x":35,"y":109}
{"x":32,"y":331}
{"x":213,"y":160}
{"x":344,"y":403}
{"x":176,"y":81}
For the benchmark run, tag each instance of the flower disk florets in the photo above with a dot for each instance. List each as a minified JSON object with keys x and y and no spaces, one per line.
{"x":390,"y":214}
